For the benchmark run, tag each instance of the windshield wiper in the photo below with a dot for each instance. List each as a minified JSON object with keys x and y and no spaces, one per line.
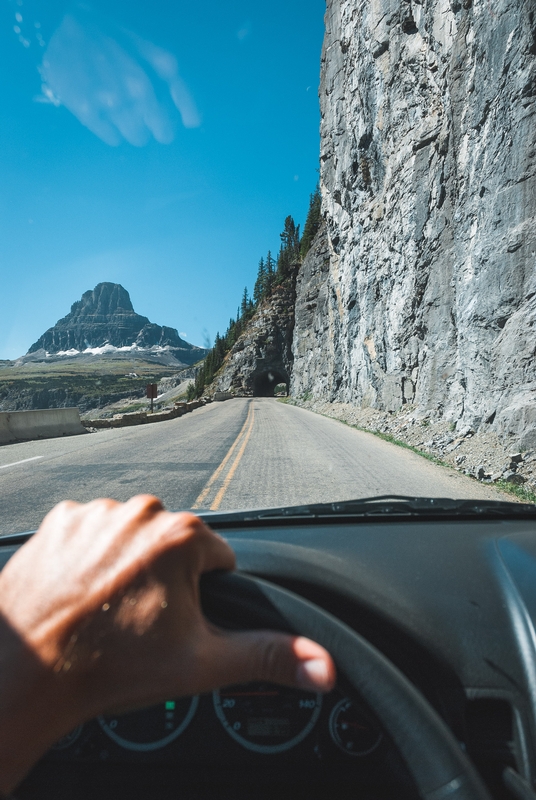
{"x":381,"y":507}
{"x":386,"y":508}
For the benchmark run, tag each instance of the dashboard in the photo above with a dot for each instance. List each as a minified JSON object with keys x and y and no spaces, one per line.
{"x":452,"y":603}
{"x":255,"y":736}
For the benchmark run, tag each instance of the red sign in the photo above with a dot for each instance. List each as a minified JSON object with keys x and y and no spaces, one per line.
{"x":152,"y":390}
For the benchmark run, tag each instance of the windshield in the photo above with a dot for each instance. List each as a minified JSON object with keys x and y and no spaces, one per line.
{"x":258,"y":255}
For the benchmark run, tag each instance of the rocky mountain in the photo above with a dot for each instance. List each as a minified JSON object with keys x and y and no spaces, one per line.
{"x":262,"y":357}
{"x":421,"y":288}
{"x":105,"y":317}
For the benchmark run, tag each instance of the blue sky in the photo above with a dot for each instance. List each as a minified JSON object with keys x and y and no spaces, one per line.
{"x":158,"y":145}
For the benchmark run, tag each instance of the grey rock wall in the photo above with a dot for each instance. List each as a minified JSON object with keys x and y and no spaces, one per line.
{"x":421,"y":287}
{"x":262,"y":355}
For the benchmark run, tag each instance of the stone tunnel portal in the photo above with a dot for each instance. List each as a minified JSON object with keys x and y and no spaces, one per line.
{"x":265,"y":382}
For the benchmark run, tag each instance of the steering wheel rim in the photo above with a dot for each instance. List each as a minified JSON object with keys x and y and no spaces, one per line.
{"x":440,"y":769}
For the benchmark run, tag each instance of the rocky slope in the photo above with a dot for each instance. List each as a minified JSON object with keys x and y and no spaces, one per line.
{"x":23,"y":398}
{"x":105,"y":316}
{"x":262,"y":356}
{"x":421,"y":289}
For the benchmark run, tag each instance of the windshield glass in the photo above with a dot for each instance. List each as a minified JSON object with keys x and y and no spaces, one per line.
{"x":206,"y":271}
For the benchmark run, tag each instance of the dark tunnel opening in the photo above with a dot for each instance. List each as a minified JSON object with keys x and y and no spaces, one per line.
{"x":265,"y":382}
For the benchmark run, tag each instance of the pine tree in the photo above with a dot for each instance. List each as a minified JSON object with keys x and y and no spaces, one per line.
{"x":230,"y":336}
{"x":259,"y":290}
{"x":290,"y":248}
{"x":290,"y":238}
{"x":269,"y":267}
{"x":244,"y":303}
{"x":283,"y":264}
{"x":312,"y":223}
{"x":219,"y":352}
{"x":199,"y":385}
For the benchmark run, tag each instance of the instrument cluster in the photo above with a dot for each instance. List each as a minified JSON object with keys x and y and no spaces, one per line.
{"x":259,"y":719}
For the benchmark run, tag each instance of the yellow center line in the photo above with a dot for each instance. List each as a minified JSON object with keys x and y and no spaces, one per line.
{"x":223,"y":464}
{"x":219,"y":497}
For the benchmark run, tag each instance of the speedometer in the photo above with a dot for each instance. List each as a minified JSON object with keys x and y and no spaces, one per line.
{"x":267,"y":718}
{"x":151,"y":728}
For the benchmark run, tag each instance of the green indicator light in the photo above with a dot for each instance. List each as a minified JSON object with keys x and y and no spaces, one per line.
{"x":170,"y":705}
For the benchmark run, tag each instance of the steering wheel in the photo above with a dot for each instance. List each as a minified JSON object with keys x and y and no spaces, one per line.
{"x":440,"y":769}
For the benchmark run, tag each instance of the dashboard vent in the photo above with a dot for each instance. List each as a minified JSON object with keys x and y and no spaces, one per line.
{"x":490,"y":740}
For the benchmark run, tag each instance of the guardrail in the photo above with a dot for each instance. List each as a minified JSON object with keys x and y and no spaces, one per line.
{"x":142,"y":417}
{"x":41,"y":423}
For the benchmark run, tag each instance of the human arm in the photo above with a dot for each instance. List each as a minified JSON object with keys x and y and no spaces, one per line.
{"x":100,"y":612}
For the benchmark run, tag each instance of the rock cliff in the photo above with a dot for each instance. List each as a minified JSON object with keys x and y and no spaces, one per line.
{"x":105,"y":315}
{"x":421,"y":287}
{"x":262,"y":356}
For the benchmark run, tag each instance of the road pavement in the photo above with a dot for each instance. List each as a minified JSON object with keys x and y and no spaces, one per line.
{"x":243,"y":453}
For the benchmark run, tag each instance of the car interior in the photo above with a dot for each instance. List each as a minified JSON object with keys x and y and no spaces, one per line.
{"x":427,"y":607}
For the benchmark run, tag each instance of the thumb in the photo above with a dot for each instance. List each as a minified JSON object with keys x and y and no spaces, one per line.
{"x":269,"y":656}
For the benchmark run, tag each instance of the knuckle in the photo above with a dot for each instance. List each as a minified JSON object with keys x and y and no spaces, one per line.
{"x":65,"y":506}
{"x":189,"y":530}
{"x":62,"y":511}
{"x":96,"y":509}
{"x":102,"y":503}
{"x":191,"y":522}
{"x":145,"y":502}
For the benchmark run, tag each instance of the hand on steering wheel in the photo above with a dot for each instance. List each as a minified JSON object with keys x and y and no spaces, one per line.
{"x":100,"y":612}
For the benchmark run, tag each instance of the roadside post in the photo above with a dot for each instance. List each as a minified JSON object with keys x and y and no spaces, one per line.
{"x":152,"y":392}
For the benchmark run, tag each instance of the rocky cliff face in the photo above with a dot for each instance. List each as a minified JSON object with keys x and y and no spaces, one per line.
{"x":105,"y":316}
{"x":421,"y":288}
{"x":262,"y":356}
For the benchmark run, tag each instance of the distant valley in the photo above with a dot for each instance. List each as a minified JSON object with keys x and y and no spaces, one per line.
{"x":101,"y":353}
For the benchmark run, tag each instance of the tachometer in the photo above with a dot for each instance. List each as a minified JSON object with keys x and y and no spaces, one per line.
{"x":267,"y":718}
{"x":151,"y":728}
{"x":353,"y":730}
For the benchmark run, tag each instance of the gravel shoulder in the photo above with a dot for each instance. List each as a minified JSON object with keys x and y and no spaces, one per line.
{"x":482,"y":456}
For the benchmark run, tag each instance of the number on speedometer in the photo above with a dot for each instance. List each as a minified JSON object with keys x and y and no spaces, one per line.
{"x":267,"y":718}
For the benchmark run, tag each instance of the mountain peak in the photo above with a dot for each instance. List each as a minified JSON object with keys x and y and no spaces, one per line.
{"x":104,"y":299}
{"x":105,"y":316}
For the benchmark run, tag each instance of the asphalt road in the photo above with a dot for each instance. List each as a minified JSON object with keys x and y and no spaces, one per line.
{"x":243,"y":453}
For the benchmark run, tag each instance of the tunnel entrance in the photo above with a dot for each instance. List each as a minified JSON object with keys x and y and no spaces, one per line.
{"x":264,"y":383}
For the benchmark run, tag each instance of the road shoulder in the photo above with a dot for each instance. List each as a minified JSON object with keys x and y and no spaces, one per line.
{"x":464,"y":453}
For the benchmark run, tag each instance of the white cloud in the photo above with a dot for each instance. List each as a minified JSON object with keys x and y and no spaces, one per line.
{"x":47,"y":96}
{"x":113,"y":87}
{"x":166,"y":67}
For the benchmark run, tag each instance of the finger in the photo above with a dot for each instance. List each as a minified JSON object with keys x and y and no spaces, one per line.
{"x":134,"y":515}
{"x":216,"y":552}
{"x":198,"y":547}
{"x":269,"y":656}
{"x":59,"y":513}
{"x":143,"y":505}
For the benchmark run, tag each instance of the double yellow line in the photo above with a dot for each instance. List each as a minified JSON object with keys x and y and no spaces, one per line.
{"x":219,"y":478}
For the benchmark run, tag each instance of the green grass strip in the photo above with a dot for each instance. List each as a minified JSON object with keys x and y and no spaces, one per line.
{"x":525,"y":495}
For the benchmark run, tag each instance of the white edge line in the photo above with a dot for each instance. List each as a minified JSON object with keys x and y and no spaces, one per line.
{"x":24,"y":461}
